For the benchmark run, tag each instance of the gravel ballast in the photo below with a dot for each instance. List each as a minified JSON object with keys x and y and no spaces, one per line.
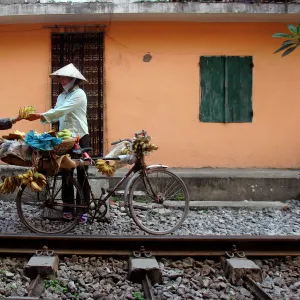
{"x":201,"y":221}
{"x":107,"y":278}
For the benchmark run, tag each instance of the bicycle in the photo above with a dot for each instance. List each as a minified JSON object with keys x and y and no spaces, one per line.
{"x":155,"y":198}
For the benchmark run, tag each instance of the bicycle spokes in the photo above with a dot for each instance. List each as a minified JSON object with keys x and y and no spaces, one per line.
{"x":56,"y":209}
{"x":158,"y":201}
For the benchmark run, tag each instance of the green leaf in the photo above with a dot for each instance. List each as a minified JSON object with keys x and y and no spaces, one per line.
{"x":292,"y":28}
{"x":288,"y":42}
{"x":288,"y":51}
{"x":298,"y":29}
{"x":282,"y":35}
{"x":282,"y":48}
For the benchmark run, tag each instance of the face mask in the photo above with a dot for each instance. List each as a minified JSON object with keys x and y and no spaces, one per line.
{"x":69,"y":85}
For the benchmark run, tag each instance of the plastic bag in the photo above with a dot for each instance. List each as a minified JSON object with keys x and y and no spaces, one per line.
{"x":44,"y":142}
{"x":123,"y":151}
{"x":119,"y":149}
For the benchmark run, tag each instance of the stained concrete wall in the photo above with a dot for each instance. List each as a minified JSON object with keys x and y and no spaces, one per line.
{"x":34,"y":11}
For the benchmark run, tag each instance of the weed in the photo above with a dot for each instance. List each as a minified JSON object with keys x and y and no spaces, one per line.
{"x":138,"y":296}
{"x":116,"y":198}
{"x":55,"y":284}
{"x":180,"y":196}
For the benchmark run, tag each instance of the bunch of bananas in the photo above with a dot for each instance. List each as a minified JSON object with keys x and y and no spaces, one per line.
{"x":24,"y":112}
{"x":64,"y":134}
{"x":19,"y":133}
{"x":126,"y":149}
{"x":16,"y":135}
{"x":34,"y":180}
{"x":143,"y":145}
{"x":104,"y":167}
{"x":9,"y":184}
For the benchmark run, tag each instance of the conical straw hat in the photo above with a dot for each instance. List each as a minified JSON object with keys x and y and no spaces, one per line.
{"x":69,"y":71}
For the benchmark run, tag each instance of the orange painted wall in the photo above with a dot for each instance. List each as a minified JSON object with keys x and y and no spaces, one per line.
{"x":24,"y":68}
{"x":162,"y":96}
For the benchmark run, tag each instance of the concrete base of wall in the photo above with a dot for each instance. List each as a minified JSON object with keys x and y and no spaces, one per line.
{"x":208,"y":184}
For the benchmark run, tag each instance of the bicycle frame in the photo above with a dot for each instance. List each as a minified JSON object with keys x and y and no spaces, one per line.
{"x":139,"y":166}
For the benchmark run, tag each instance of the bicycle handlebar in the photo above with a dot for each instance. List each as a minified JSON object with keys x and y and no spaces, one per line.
{"x":143,"y":132}
{"x":111,"y":158}
{"x":119,"y":141}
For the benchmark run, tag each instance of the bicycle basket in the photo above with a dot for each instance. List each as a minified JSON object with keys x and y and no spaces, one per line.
{"x":64,"y":147}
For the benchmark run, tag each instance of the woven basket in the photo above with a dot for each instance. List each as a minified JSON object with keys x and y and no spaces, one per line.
{"x":60,"y":149}
{"x":64,"y":147}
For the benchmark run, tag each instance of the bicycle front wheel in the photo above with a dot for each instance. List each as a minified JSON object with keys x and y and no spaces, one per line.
{"x":43,"y":212}
{"x":158,"y":201}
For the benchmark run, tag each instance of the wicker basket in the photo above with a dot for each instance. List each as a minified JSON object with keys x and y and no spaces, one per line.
{"x":64,"y":147}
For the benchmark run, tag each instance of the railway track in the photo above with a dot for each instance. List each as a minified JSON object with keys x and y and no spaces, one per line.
{"x":164,"y":246}
{"x":157,"y":245}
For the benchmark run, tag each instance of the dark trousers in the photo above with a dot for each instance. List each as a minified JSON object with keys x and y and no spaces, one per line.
{"x":67,"y":187}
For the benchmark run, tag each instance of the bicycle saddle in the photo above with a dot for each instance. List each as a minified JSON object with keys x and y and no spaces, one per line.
{"x":82,"y":150}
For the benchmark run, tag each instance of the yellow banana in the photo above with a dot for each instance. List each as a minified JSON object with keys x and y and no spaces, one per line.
{"x":25,"y":176}
{"x":24,"y":112}
{"x":25,"y":181}
{"x":35,"y":186}
{"x":9,"y":183}
{"x":42,"y":176}
{"x":41,"y":182}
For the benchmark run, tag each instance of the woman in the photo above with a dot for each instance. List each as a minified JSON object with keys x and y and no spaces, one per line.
{"x":7,"y":123}
{"x":70,"y":111}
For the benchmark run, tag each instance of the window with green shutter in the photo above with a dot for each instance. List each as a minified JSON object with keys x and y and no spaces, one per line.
{"x":226,"y":89}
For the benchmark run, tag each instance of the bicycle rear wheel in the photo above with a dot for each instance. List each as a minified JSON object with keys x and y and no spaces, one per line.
{"x":42,"y":212}
{"x":158,"y":201}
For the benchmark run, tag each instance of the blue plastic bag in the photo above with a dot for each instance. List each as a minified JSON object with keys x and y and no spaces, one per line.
{"x":44,"y":142}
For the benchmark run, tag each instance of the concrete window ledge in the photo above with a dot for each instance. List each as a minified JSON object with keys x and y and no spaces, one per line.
{"x":35,"y":11}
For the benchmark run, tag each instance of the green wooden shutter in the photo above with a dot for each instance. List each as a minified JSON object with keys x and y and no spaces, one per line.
{"x":212,"y":105}
{"x":226,"y":89}
{"x":238,"y":89}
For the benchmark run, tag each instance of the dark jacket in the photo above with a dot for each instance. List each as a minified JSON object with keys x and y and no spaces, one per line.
{"x":5,"y":123}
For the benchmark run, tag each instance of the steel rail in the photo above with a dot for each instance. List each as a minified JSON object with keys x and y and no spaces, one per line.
{"x":157,"y":245}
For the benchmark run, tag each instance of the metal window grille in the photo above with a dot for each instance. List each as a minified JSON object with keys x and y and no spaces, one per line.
{"x":85,"y":51}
